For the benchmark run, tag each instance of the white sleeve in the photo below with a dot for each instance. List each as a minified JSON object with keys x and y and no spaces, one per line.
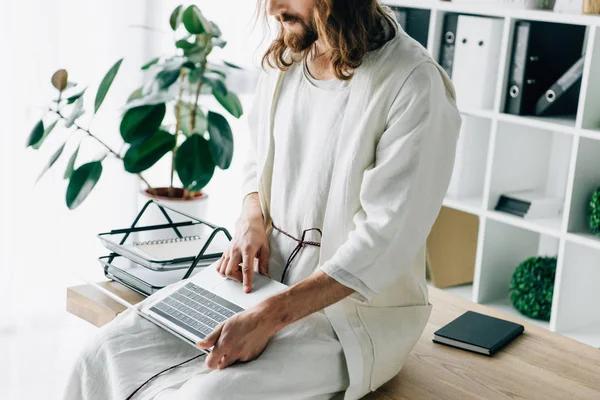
{"x":250,"y":173}
{"x":402,"y":191}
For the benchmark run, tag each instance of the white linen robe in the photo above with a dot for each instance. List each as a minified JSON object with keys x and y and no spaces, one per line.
{"x":388,"y":184}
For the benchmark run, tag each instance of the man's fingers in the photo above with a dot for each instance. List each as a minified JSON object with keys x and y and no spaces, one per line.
{"x":225,"y":361}
{"x":222,"y":263}
{"x":211,"y":339}
{"x":247,"y":270}
{"x":263,"y":261}
{"x":233,"y":267}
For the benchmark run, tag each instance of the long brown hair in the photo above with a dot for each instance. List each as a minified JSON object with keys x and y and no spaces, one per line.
{"x":350,"y":28}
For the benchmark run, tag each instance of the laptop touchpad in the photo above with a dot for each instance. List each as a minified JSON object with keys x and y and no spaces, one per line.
{"x":261,"y":289}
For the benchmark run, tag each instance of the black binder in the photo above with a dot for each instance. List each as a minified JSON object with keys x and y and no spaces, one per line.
{"x":562,"y":97}
{"x":414,"y":21}
{"x":542,"y":52}
{"x":448,"y":42}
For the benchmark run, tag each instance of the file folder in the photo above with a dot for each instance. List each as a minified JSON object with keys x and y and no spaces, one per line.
{"x":415,"y":22}
{"x":475,"y":66}
{"x":563,"y":97}
{"x":448,"y":42}
{"x":541,"y":53}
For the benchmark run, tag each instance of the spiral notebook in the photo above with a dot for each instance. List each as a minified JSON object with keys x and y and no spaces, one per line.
{"x":187,"y":246}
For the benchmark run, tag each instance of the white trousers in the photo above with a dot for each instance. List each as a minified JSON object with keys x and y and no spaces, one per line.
{"x":302,"y":361}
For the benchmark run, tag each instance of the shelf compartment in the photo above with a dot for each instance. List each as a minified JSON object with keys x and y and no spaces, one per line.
{"x":541,"y":64}
{"x":590,"y":95}
{"x":585,"y":239}
{"x":471,"y":205}
{"x":527,"y":158}
{"x":546,"y":226}
{"x":585,"y":182}
{"x":504,"y":248}
{"x":414,"y":21}
{"x":505,"y":306}
{"x":468,"y":174}
{"x":577,"y":309}
{"x":564,"y":124}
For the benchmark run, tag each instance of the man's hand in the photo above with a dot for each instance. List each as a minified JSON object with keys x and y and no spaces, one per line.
{"x":242,"y":337}
{"x":245,"y":335}
{"x":250,"y":242}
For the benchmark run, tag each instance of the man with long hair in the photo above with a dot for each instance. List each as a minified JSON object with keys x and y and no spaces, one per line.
{"x":353,"y":135}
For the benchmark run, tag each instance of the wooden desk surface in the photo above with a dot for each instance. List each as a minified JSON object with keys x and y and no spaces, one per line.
{"x":538,"y":365}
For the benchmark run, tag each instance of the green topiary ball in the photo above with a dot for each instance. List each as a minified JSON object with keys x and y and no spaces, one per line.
{"x":532,"y":285}
{"x":595,"y":212}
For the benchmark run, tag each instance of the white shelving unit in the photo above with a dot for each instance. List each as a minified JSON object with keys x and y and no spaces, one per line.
{"x":560,"y":155}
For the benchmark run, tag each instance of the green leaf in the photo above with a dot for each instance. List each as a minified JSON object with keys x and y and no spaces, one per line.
{"x":77,"y":112}
{"x":45,"y":135}
{"x":231,"y":65}
{"x":60,"y":79}
{"x":160,"y":97}
{"x":36,"y":134}
{"x":71,"y":163}
{"x":230,"y":102}
{"x":221,"y":140}
{"x":195,"y":75}
{"x":196,"y":55}
{"x":217,"y":85}
{"x":194,"y":163}
{"x":200,"y":124}
{"x":216,"y":32}
{"x":82,"y":182}
{"x":167,"y":77}
{"x":52,"y":160}
{"x":136,"y":94}
{"x":175,"y":19}
{"x":184,"y":44}
{"x":192,"y":20}
{"x":217,"y":72}
{"x":105,"y":85}
{"x":73,"y":98}
{"x":141,"y":122}
{"x":142,"y":156}
{"x":151,"y":63}
{"x":218,"y":42}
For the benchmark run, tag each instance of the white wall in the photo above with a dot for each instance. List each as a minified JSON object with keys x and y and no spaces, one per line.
{"x":41,"y":241}
{"x":41,"y":238}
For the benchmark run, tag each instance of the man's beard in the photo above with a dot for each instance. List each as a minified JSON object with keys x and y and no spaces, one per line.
{"x":299,"y":42}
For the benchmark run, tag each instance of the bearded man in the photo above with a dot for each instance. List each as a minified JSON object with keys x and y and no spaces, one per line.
{"x":354,"y":130}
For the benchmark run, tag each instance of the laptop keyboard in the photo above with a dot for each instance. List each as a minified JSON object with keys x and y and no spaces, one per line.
{"x":195,"y":309}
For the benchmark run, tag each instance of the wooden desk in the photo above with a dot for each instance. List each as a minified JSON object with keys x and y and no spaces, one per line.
{"x":538,"y":365}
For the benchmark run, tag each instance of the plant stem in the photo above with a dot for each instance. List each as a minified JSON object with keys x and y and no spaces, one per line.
{"x":195,"y":110}
{"x":177,"y":126}
{"x":78,"y":127}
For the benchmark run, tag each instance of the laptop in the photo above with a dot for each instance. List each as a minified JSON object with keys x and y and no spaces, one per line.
{"x":192,"y":308}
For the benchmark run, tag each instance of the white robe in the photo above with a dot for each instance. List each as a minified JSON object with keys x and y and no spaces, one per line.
{"x":391,"y":172}
{"x":392,"y":168}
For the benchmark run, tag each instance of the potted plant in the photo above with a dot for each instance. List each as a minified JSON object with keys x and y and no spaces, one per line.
{"x":163,"y":116}
{"x":532,"y":287}
{"x":594,"y":212}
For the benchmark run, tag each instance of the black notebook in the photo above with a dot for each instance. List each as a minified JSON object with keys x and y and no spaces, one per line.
{"x":478,"y":333}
